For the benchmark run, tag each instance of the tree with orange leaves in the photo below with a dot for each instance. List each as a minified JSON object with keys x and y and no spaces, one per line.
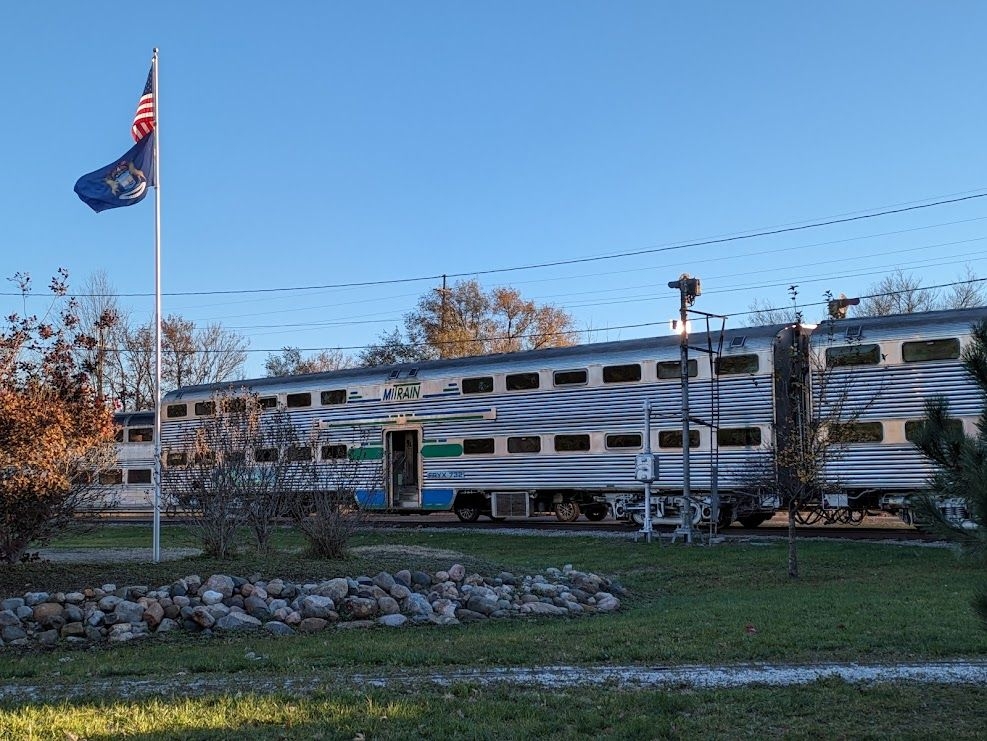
{"x":56,"y":432}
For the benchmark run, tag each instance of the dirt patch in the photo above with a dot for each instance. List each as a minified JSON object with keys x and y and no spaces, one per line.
{"x":418,"y":551}
{"x":115,"y":555}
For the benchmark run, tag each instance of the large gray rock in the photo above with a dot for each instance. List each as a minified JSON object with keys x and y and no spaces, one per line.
{"x":384,"y":580}
{"x":278,"y":629}
{"x":218,"y":583}
{"x":392,"y":621}
{"x":129,"y":612}
{"x":35,"y":598}
{"x":606,"y":602}
{"x":316,"y":606}
{"x":358,"y":608}
{"x":312,"y":625}
{"x":211,"y":596}
{"x":237,"y":621}
{"x":335,"y":589}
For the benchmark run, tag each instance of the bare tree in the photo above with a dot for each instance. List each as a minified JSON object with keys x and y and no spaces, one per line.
{"x":290,"y":362}
{"x":101,"y":318}
{"x":897,"y":293}
{"x":760,"y":313}
{"x":465,"y":320}
{"x":967,"y":292}
{"x":192,"y":356}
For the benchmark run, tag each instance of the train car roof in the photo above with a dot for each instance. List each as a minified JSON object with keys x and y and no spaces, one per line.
{"x":901,"y":326}
{"x":499,"y":362}
{"x":134,"y":419}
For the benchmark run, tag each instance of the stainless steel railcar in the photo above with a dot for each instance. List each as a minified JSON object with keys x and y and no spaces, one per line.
{"x":130,"y":483}
{"x":558,"y":430}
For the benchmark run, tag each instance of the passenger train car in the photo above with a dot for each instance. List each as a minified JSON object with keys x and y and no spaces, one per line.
{"x":558,"y":430}
{"x":130,"y":483}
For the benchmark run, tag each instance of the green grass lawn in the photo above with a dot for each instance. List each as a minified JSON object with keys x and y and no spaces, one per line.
{"x":728,"y":603}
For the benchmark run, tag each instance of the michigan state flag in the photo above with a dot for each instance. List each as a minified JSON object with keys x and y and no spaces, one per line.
{"x":123,"y":182}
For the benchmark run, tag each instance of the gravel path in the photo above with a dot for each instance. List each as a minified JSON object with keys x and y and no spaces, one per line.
{"x":690,"y":676}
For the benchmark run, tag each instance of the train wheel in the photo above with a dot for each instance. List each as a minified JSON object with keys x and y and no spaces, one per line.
{"x":595,"y":512}
{"x":467,"y":512}
{"x":567,"y":511}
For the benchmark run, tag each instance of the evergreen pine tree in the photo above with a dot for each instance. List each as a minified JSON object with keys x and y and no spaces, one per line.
{"x":961,"y":464}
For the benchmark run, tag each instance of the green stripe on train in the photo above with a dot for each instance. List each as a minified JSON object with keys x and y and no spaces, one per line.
{"x":448,"y":450}
{"x":369,"y":453}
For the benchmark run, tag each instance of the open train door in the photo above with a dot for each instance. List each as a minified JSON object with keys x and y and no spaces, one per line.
{"x":402,"y":453}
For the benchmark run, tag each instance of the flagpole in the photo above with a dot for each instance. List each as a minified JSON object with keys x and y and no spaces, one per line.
{"x":156,"y":538}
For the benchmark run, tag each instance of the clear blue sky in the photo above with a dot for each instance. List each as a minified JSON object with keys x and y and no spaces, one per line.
{"x":316,"y":143}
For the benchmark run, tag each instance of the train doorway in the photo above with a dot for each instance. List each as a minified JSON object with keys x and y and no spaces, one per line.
{"x":402,"y":450}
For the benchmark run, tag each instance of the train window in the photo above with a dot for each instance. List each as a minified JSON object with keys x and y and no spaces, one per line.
{"x":234,"y":456}
{"x":571,"y":443}
{"x":118,"y":435}
{"x":913,"y":428}
{"x":333,"y":452}
{"x":176,"y":410}
{"x":298,"y":453}
{"x":204,"y":457}
{"x":205,"y":408}
{"x":732,"y":365}
{"x":853,"y":355}
{"x":673,"y":439}
{"x":267,"y":402}
{"x":176,"y":459}
{"x":481,"y":385}
{"x":299,"y":400}
{"x":139,"y":476}
{"x":336,"y":396}
{"x":526,"y":444}
{"x":521,"y":381}
{"x":570,"y":377}
{"x":738,"y":437}
{"x":234,"y":405}
{"x":917,"y":352}
{"x":110,"y":477}
{"x":622,"y":373}
{"x":856,"y":432}
{"x":265,"y":455}
{"x":673,"y":369}
{"x":140,"y":435}
{"x":624,"y":440}
{"x":478,"y":446}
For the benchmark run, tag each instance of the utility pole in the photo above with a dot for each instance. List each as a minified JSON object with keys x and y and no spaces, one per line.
{"x":688,"y":288}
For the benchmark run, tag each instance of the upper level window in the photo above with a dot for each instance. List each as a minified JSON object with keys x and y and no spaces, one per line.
{"x":265,"y":455}
{"x":856,"y":432}
{"x":853,"y":355}
{"x":527,"y":444}
{"x":299,"y":453}
{"x":234,"y":405}
{"x":267,"y":402}
{"x":570,"y":377}
{"x":176,"y":410}
{"x":673,"y":439}
{"x":624,"y":440}
{"x":299,"y":400}
{"x":673,"y":369}
{"x":179,"y":458}
{"x":205,"y":408}
{"x":622,"y":373}
{"x":140,"y":435}
{"x":729,"y":365}
{"x":481,"y":385}
{"x":478,"y":446}
{"x":738,"y":436}
{"x":571,"y":443}
{"x":521,"y":381}
{"x":913,"y":428}
{"x":917,"y":352}
{"x":333,"y":452}
{"x":336,"y":396}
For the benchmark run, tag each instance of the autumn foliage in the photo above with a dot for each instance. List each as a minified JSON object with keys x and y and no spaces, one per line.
{"x":56,"y":433}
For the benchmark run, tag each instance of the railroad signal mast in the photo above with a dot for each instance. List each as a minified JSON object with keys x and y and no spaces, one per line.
{"x":689,"y":288}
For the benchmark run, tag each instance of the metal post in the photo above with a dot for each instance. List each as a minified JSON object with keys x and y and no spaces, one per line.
{"x":647,"y":529}
{"x":689,"y":288}
{"x":156,"y":133}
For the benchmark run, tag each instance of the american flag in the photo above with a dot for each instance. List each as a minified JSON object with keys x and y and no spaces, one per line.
{"x":144,"y":118}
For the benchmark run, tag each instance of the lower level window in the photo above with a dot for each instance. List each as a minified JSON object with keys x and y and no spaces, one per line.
{"x":530,"y":444}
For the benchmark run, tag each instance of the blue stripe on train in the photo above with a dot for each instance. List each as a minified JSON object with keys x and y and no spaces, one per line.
{"x":432,"y":499}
